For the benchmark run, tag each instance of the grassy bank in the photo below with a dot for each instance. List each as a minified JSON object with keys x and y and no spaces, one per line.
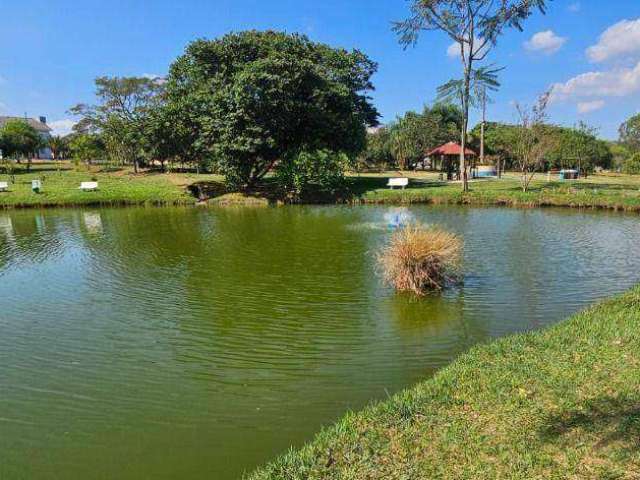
{"x":610,"y":191}
{"x":123,"y":187}
{"x":561,"y":403}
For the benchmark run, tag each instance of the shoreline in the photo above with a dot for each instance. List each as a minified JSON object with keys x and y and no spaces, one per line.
{"x":124,"y":188}
{"x":562,"y":401}
{"x":471,"y":200}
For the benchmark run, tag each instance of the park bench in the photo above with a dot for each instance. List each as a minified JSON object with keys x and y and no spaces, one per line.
{"x":398,"y":182}
{"x":4,"y":186}
{"x":88,"y":186}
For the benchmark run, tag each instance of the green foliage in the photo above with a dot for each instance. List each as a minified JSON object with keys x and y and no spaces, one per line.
{"x":579,"y":148}
{"x":86,"y":147}
{"x":576,"y":147}
{"x":405,"y":142}
{"x":377,"y":154}
{"x":256,"y":98}
{"x":59,"y":146}
{"x":482,"y":80}
{"x":312,"y":173}
{"x":619,"y":154}
{"x":18,"y":139}
{"x":632,"y":164}
{"x":500,"y":140}
{"x":630,"y":133}
{"x":121,"y":116}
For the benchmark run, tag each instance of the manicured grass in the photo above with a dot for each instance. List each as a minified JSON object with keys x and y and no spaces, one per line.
{"x":122,"y":187}
{"x":611,"y":191}
{"x":115,"y":188}
{"x":560,"y":403}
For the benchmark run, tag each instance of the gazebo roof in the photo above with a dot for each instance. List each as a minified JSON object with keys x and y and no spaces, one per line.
{"x":451,"y":148}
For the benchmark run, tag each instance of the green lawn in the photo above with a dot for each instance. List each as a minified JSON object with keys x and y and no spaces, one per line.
{"x":620,"y":192}
{"x":561,"y":403}
{"x":122,"y":187}
{"x":115,"y":188}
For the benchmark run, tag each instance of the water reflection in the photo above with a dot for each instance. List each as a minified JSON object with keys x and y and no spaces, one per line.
{"x":198,"y":343}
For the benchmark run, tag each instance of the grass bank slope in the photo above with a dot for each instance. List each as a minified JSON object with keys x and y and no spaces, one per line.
{"x":561,"y":403}
{"x":611,"y":191}
{"x":60,"y":188}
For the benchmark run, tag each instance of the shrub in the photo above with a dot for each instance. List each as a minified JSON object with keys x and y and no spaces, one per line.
{"x":318,"y":173}
{"x":632,"y":165}
{"x":419,"y":259}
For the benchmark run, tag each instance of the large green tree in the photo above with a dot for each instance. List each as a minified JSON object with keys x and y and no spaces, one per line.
{"x":258,"y":99}
{"x":121,"y":115}
{"x":474,"y":26}
{"x":19,"y":140}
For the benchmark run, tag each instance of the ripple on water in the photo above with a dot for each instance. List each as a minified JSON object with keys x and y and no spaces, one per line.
{"x":205,"y":341}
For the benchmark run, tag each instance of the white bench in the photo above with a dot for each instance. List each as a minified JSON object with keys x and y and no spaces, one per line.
{"x":88,"y":186}
{"x":4,"y":186}
{"x":398,"y":182}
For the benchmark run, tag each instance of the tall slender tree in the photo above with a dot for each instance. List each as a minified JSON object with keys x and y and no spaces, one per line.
{"x":474,"y":25}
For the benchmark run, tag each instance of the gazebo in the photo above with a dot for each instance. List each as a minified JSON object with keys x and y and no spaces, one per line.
{"x":447,"y":158}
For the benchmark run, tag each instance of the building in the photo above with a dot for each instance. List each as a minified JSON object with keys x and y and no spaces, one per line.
{"x":41,"y":126}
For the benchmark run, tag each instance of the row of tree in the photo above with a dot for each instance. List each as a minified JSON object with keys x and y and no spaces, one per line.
{"x":404,"y":143}
{"x":244,"y":105}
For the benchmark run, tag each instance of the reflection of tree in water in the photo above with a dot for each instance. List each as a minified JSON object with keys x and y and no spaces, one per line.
{"x":280,"y":281}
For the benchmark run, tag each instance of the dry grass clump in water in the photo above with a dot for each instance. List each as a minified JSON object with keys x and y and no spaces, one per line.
{"x":419,"y":259}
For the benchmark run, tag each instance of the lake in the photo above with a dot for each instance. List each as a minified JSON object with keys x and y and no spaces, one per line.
{"x":198,"y":343}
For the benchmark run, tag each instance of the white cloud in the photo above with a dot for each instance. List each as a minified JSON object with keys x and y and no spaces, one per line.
{"x":619,"y":40}
{"x":587,"y":107}
{"x":62,"y":127}
{"x":546,"y":42}
{"x":611,"y":83}
{"x":453,"y":51}
{"x":574,"y":7}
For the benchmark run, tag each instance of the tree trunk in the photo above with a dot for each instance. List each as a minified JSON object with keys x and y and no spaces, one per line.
{"x":467,"y":66}
{"x":482,"y":125}
{"x":465,"y":120}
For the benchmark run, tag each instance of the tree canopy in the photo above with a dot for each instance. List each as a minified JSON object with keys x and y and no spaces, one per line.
{"x":19,"y":139}
{"x":405,"y":141}
{"x":259,"y":99}
{"x":121,"y":115}
{"x":573,"y":147}
{"x":630,"y":133}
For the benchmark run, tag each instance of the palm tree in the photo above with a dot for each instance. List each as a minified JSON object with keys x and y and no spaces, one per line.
{"x":56,"y":144}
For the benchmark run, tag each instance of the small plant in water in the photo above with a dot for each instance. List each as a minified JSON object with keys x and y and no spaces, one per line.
{"x":420,"y":259}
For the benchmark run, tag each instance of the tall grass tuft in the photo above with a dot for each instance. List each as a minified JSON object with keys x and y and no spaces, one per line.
{"x":420,"y":259}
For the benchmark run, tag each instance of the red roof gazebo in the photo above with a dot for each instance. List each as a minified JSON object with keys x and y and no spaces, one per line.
{"x":449,"y":153}
{"x":451,"y":148}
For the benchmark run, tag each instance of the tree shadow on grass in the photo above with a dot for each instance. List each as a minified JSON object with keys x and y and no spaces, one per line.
{"x":614,"y":420}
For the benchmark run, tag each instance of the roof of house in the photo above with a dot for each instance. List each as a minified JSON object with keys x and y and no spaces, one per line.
{"x":451,"y":148}
{"x":37,"y":124}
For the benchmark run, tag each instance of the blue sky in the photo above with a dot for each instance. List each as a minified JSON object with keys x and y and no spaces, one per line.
{"x":51,"y":50}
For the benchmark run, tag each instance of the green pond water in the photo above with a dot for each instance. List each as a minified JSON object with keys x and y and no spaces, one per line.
{"x":200,"y":343}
